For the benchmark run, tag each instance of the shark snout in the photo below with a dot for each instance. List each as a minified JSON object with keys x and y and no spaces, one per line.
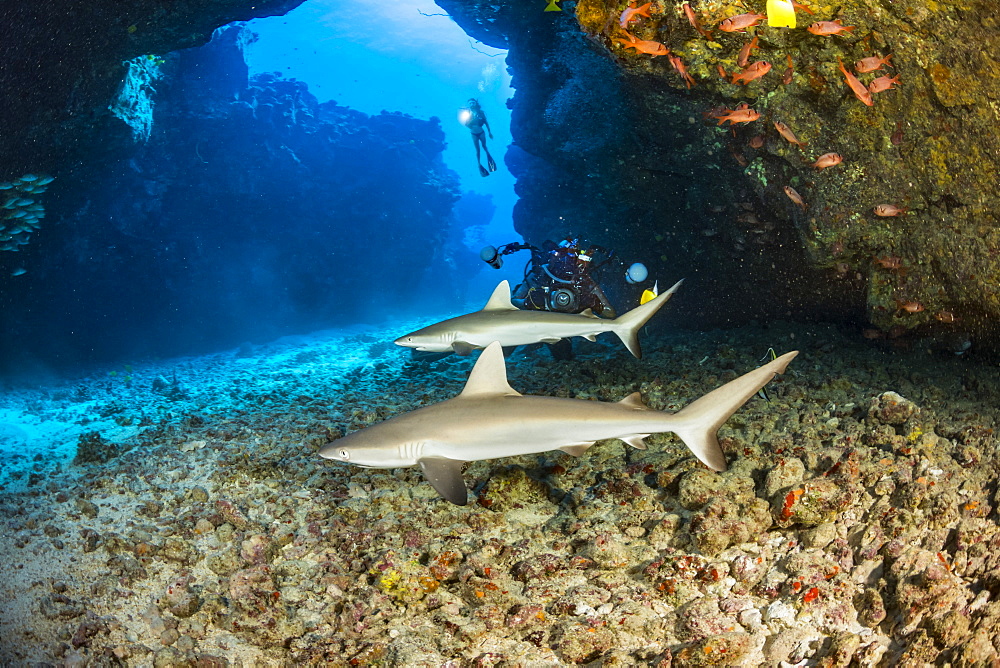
{"x":334,"y":451}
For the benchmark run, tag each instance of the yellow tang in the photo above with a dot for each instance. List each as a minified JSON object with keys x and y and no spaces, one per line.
{"x":780,"y":14}
{"x":649,"y":295}
{"x":552,"y":6}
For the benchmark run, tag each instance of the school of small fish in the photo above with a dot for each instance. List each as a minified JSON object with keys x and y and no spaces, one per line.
{"x":752,"y":70}
{"x":21,"y":212}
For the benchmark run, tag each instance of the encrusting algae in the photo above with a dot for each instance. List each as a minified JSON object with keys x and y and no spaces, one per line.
{"x":857,"y":520}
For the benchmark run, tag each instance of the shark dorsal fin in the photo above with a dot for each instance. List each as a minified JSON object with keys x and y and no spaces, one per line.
{"x":489,"y":375}
{"x":633,"y":400}
{"x":500,"y":299}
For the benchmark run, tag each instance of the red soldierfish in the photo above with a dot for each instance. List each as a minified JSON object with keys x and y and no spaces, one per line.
{"x":743,"y":115}
{"x":787,"y":133}
{"x":787,"y":77}
{"x":643,"y":46}
{"x":883,"y":84}
{"x":755,"y":71}
{"x":678,"y":65}
{"x":828,"y":160}
{"x":744,"y":56}
{"x":741,"y":22}
{"x":889,"y":210}
{"x":871,"y":63}
{"x":693,"y":20}
{"x":795,"y":197}
{"x":856,"y":86}
{"x":829,"y":28}
{"x":632,"y":13}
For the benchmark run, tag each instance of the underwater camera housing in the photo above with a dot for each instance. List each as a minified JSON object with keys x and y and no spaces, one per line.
{"x":558,"y":277}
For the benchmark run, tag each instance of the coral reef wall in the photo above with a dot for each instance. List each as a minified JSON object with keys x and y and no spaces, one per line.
{"x":251,"y":211}
{"x":62,"y":63}
{"x":612,"y":143}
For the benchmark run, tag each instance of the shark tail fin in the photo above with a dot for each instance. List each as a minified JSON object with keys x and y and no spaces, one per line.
{"x":627,"y":325}
{"x":698,"y":423}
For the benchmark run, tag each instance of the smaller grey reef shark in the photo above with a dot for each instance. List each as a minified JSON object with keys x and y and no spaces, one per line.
{"x":489,"y":419}
{"x":501,"y":321}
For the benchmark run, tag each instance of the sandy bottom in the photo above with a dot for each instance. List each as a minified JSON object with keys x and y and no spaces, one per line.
{"x":855,"y":526}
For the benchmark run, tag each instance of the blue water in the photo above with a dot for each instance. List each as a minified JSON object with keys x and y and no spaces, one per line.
{"x":402,"y":56}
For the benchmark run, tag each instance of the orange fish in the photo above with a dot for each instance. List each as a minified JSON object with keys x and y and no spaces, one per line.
{"x":751,"y":72}
{"x":787,"y":133}
{"x":829,"y":28}
{"x":796,"y":5}
{"x":910,"y":306}
{"x":882,"y":84}
{"x":739,"y":115}
{"x":787,"y":76}
{"x":741,"y":22}
{"x":889,"y":210}
{"x":643,"y":46}
{"x":744,"y":56}
{"x":795,"y":197}
{"x":828,"y":160}
{"x":945,"y":316}
{"x":871,"y":64}
{"x":889,"y":262}
{"x":738,"y":157}
{"x":722,"y":72}
{"x":632,"y":13}
{"x":678,"y":65}
{"x":856,"y":86}
{"x":693,"y":20}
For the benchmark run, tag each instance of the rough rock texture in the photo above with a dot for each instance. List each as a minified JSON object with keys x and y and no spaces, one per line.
{"x":840,"y":535}
{"x":248,"y":198}
{"x":614,"y":143}
{"x":63,"y":62}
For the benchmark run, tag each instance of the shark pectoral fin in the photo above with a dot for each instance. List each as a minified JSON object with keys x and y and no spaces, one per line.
{"x":462,"y":348}
{"x":577,"y":449}
{"x":590,"y":337}
{"x":500,"y":299}
{"x":635,"y":440}
{"x":551,"y":339}
{"x":587,"y":313}
{"x":445,"y":475}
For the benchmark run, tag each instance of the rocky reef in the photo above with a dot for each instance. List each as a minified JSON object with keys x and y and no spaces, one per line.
{"x":247,"y":197}
{"x":856,"y":525}
{"x":64,"y":64}
{"x":614,"y":144}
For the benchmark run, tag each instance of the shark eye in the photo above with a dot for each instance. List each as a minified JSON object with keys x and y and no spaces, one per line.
{"x":344,"y":454}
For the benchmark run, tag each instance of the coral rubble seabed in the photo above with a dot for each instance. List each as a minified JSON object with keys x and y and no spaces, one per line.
{"x":857,"y":522}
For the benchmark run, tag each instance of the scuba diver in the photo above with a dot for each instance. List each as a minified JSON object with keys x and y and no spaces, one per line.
{"x":474,"y":118}
{"x":559,"y":277}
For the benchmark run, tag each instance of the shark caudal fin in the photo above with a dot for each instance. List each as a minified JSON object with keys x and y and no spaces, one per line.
{"x":698,"y":423}
{"x":627,"y":325}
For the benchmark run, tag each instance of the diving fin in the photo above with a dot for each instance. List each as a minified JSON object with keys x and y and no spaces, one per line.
{"x":491,"y":163}
{"x":482,"y":171}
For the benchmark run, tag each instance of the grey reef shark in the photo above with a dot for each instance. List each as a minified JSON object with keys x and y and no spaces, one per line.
{"x":501,"y":321}
{"x":489,"y":419}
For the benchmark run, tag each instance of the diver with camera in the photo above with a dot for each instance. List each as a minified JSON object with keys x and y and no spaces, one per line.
{"x":561,"y":277}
